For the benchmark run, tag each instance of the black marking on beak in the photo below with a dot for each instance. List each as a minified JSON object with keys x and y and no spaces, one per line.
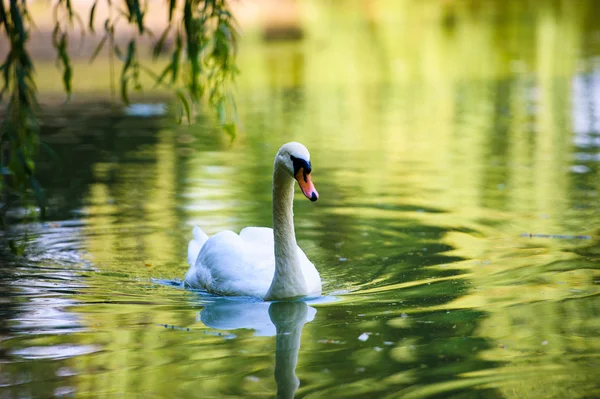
{"x":301,"y":163}
{"x":313,"y":197}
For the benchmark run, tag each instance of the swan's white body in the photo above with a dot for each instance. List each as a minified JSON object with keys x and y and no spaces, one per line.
{"x":244,"y":264}
{"x":260,"y":261}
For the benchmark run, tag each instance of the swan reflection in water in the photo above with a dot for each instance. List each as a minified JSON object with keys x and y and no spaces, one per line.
{"x":285,"y":320}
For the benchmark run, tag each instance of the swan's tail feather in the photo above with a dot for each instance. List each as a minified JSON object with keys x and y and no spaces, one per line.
{"x":196,"y":244}
{"x":200,"y":235}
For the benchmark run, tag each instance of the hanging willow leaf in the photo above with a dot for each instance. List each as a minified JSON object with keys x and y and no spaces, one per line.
{"x":192,"y":37}
{"x":55,"y":33}
{"x":159,"y":80}
{"x":124,"y":92}
{"x":69,"y":9}
{"x":134,"y":14}
{"x":172,"y":6}
{"x":17,"y":22}
{"x":98,"y":48}
{"x":67,"y":79}
{"x":5,"y":68}
{"x":186,"y":105}
{"x":139,"y":16}
{"x":175,"y":58}
{"x":230,"y":129}
{"x":4,"y":18}
{"x":92,"y":13}
{"x":129,"y":58}
{"x":117,"y":50}
{"x":160,"y":43}
{"x":66,"y":63}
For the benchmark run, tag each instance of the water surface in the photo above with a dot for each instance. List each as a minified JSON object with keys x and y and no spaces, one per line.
{"x":455,"y":150}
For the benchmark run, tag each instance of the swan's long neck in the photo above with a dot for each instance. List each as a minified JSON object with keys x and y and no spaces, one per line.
{"x":288,"y":280}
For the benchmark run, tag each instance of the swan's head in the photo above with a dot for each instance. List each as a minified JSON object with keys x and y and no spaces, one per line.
{"x":294,"y":158}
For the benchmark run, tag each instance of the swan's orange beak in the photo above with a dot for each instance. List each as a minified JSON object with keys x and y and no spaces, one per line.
{"x":307,"y":186}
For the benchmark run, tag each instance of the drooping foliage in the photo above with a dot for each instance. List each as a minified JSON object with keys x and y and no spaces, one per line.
{"x":201,"y":66}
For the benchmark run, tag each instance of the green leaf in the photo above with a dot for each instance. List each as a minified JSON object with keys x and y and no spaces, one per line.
{"x":164,"y":73}
{"x":69,"y":8}
{"x":230,"y":129}
{"x":17,"y":21}
{"x":135,"y":13}
{"x":66,"y":63}
{"x":98,"y":48}
{"x":160,"y":43}
{"x":175,"y":58}
{"x":124,"y":92}
{"x":118,"y":52}
{"x":92,"y":13}
{"x":55,"y":33}
{"x":6,"y":67}
{"x":172,"y":6}
{"x":67,"y":80}
{"x":186,"y":105}
{"x":130,"y":58}
{"x":4,"y":18}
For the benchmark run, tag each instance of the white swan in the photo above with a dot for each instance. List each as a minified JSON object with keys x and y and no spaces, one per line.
{"x":260,"y":261}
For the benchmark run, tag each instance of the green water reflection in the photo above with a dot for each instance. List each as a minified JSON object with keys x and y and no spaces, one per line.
{"x":441,"y":134}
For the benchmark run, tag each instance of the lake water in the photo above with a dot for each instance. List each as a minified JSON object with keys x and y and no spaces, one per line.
{"x":456,"y":152}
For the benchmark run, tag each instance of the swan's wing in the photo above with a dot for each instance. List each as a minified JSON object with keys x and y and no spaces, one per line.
{"x":262,"y":236}
{"x":261,"y":244}
{"x":229,"y":265}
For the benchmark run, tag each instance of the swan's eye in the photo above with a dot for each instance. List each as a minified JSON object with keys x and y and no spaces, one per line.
{"x":300,"y":163}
